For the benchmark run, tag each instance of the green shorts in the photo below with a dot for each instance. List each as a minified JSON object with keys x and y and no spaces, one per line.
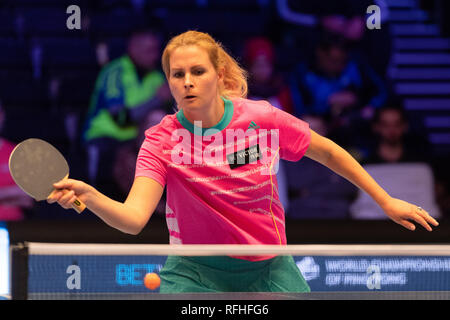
{"x":225,"y":274}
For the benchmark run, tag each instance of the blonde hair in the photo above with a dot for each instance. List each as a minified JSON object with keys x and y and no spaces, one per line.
{"x":235,"y":78}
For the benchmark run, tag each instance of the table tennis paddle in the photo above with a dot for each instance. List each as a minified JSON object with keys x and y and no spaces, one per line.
{"x":35,"y":166}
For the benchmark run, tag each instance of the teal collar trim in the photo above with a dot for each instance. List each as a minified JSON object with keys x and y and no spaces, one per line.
{"x":223,"y":123}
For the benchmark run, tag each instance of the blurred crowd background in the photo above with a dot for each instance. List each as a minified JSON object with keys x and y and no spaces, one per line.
{"x":383,"y":94}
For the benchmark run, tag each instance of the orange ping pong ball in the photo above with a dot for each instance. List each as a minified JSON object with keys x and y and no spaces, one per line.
{"x":152,"y":281}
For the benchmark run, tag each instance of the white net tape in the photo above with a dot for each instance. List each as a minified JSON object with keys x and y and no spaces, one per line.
{"x":237,"y":250}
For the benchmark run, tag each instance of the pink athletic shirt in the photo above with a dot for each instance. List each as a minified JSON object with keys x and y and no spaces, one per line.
{"x":221,"y":181}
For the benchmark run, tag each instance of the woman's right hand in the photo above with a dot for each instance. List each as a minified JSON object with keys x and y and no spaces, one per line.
{"x":68,"y":190}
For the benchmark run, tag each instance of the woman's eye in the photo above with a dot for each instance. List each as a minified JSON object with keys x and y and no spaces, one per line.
{"x":178,"y":74}
{"x":199,"y":72}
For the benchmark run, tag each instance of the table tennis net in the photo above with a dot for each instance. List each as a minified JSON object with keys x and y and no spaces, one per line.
{"x":109,"y":271}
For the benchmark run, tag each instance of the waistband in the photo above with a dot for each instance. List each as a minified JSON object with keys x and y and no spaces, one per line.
{"x":227,"y":263}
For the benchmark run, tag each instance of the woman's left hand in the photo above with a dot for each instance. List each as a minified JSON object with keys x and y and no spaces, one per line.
{"x":404,"y":213}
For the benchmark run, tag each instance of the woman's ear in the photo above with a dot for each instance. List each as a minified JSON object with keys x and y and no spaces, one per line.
{"x":221,"y":74}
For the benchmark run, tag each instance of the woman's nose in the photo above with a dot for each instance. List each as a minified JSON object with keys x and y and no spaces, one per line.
{"x":188,"y":81}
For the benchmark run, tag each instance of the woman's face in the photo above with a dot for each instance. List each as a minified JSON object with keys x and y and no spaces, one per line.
{"x":193,"y":80}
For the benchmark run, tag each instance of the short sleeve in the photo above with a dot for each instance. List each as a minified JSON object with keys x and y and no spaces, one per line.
{"x":294,"y":135}
{"x":150,"y":161}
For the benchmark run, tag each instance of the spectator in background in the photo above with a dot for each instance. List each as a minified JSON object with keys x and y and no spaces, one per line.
{"x":345,"y":18}
{"x":126,"y":90}
{"x":393,"y":141}
{"x":310,"y":183}
{"x":265,"y":83}
{"x":400,"y":161}
{"x":13,"y":200}
{"x":339,"y":87}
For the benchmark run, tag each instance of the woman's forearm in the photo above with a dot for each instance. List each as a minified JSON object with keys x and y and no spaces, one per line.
{"x":331,"y":155}
{"x":114,"y":213}
{"x":341,"y":162}
{"x":129,"y":217}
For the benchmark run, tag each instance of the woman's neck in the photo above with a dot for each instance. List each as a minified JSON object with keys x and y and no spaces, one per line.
{"x":209,"y":116}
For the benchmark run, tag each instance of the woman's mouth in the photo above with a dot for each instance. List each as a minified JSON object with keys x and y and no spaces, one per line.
{"x":190,"y":97}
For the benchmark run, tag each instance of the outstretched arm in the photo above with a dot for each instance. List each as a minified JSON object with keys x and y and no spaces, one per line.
{"x":129,"y":217}
{"x":329,"y":154}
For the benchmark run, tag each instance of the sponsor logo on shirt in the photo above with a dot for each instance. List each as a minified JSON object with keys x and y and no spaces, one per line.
{"x":219,"y":147}
{"x":243,"y":157}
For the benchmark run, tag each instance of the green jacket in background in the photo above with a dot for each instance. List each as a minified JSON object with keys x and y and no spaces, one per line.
{"x":119,"y":84}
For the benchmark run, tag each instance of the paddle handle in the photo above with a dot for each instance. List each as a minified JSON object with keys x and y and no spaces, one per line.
{"x":78,"y":205}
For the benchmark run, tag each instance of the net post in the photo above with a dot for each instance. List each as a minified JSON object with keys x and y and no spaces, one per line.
{"x":19,"y":271}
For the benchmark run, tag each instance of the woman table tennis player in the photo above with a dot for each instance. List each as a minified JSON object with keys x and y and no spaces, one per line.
{"x":211,"y":197}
